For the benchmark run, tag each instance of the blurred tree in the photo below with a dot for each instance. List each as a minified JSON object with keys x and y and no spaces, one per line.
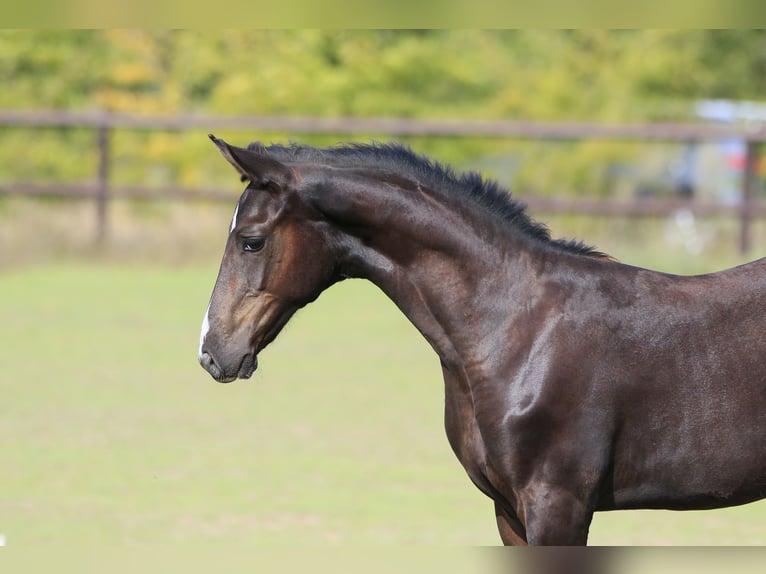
{"x":727,"y":64}
{"x":597,"y":75}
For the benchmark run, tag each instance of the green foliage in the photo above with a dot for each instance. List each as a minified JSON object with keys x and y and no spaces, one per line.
{"x":594,"y":75}
{"x":714,"y":63}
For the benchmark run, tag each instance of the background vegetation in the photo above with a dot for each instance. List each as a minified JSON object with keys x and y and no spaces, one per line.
{"x":575,"y":74}
{"x":595,"y":75}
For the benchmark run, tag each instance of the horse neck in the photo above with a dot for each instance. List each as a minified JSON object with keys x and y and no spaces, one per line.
{"x":441,"y":265}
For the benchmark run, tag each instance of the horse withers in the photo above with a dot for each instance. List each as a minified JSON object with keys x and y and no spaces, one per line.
{"x":573,"y":383}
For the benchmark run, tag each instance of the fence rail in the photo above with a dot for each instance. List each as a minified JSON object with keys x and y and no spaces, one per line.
{"x":746,"y":209}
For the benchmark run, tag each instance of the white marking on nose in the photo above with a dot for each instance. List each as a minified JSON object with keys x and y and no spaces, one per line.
{"x":203,"y":333}
{"x":234,"y":219}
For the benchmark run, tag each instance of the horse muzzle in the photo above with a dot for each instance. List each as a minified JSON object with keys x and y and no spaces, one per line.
{"x":244,"y":370}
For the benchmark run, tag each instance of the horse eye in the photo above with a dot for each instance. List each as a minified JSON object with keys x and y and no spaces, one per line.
{"x":253,"y":243}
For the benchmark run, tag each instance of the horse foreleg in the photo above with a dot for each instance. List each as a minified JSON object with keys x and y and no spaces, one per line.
{"x":555,"y":517}
{"x":511,"y":530}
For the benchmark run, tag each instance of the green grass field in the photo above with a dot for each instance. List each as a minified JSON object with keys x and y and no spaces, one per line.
{"x":111,"y":432}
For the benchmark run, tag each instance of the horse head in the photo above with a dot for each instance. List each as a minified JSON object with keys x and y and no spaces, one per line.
{"x":278,"y":257}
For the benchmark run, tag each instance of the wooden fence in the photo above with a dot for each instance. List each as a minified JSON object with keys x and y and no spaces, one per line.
{"x":101,"y":190}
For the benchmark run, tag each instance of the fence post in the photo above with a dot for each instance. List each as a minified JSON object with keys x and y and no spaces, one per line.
{"x":749,"y":182}
{"x":102,"y":186}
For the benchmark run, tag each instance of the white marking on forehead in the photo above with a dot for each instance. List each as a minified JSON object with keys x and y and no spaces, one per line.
{"x":203,"y":332}
{"x":234,"y":219}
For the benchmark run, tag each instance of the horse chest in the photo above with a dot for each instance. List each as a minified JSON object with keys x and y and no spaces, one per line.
{"x":464,"y":435}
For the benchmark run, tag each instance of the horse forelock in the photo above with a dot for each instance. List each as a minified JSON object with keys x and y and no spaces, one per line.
{"x":466,"y":186}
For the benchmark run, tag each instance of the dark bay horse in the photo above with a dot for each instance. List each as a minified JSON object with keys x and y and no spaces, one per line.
{"x":573,"y":383}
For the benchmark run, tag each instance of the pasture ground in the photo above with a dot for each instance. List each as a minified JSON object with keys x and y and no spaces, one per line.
{"x":112,"y":434}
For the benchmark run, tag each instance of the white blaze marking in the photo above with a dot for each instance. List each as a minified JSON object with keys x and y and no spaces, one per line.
{"x":206,"y":319}
{"x":234,"y":219}
{"x":205,"y":329}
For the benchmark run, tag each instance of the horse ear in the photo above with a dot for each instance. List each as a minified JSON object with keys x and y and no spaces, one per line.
{"x":260,"y":169}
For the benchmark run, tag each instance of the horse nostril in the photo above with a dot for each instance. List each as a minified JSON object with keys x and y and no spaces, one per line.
{"x":208,"y":363}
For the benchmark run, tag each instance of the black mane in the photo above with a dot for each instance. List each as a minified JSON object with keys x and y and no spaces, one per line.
{"x":401,"y":159}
